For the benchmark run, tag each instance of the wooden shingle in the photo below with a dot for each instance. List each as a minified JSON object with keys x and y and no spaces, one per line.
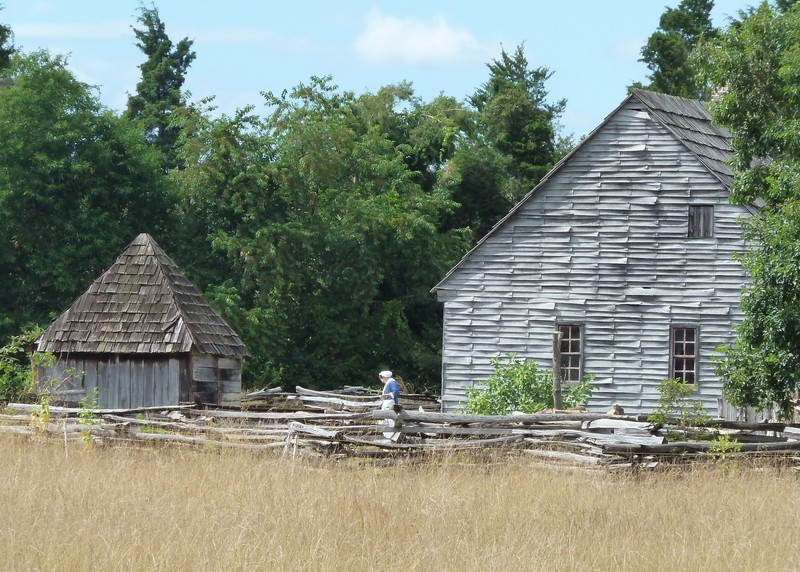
{"x":141,"y":304}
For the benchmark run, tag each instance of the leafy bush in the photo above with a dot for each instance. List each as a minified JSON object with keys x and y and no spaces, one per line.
{"x":676,"y":407}
{"x":724,"y":450}
{"x":16,"y":373}
{"x":519,"y":385}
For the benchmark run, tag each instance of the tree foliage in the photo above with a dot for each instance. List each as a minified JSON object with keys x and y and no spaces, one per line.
{"x":16,"y":373}
{"x":667,"y":52}
{"x":76,"y":184}
{"x":756,"y":66}
{"x":158,"y":94}
{"x":6,"y":44}
{"x":316,"y":228}
{"x":334,"y":241}
{"x":515,"y":116}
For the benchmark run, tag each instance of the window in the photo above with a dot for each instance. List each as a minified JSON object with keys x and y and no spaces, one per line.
{"x":683,"y":354}
{"x":701,"y":221}
{"x":571,"y":358}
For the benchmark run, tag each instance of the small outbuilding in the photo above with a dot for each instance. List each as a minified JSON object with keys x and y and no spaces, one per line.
{"x":143,"y":335}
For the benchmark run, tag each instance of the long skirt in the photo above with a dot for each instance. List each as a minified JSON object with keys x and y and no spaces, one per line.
{"x":388,"y":404}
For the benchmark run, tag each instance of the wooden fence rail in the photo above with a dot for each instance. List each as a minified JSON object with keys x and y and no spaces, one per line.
{"x":575,"y":439}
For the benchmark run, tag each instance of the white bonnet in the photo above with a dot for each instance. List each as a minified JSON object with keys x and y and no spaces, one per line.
{"x":385,"y":373}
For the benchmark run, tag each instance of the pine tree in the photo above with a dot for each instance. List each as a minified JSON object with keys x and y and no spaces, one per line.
{"x":158,"y":94}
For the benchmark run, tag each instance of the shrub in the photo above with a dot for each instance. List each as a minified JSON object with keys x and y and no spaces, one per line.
{"x":16,"y":373}
{"x":676,"y":407}
{"x":519,"y":385}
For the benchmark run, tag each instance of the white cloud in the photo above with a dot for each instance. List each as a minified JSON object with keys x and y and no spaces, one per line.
{"x":411,"y":41}
{"x":95,"y":31}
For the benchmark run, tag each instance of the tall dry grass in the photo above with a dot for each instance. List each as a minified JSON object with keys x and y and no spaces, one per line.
{"x":158,"y":509}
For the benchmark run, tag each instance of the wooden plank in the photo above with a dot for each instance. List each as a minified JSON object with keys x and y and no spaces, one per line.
{"x":170,"y":371}
{"x":337,"y":395}
{"x":149,"y":395}
{"x":122,"y":373}
{"x":107,"y":396}
{"x":137,"y":383}
{"x":90,"y":375}
{"x":230,"y":399}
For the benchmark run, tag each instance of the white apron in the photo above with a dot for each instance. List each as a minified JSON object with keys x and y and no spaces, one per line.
{"x":388,"y":404}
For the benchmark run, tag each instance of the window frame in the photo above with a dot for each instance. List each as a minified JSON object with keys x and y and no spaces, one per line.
{"x":569,"y":355}
{"x":673,"y":356}
{"x":701,"y":221}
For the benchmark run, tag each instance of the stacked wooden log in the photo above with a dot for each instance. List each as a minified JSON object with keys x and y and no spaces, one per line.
{"x":349,"y":423}
{"x":354,"y":399}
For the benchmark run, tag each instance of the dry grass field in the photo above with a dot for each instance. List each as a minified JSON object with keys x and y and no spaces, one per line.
{"x":187,"y":509}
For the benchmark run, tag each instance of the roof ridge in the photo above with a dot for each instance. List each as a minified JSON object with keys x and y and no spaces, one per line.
{"x":158,"y":252}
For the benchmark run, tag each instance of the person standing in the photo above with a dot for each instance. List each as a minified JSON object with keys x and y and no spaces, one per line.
{"x":390,"y":396}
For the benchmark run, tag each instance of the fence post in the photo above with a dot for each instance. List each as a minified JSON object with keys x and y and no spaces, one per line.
{"x":557,"y":371}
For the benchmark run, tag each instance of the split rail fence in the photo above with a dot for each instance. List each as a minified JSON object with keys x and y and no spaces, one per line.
{"x":343,"y":425}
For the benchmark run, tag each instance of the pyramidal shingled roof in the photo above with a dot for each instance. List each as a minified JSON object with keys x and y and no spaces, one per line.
{"x":142,"y":304}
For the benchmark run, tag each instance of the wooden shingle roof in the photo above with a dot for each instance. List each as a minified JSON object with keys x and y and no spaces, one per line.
{"x":690,"y":122}
{"x":141,"y":304}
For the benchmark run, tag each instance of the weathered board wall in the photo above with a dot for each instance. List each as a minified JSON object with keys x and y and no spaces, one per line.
{"x":602,"y":243}
{"x":122,"y":381}
{"x":144,"y":381}
{"x":217,"y":379}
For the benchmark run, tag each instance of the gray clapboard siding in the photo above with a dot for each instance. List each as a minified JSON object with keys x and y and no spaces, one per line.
{"x":602,"y":242}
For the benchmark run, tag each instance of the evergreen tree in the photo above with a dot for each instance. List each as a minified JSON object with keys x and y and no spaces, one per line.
{"x":512,"y":144}
{"x":158,"y":94}
{"x":6,"y":44}
{"x":668,"y":50}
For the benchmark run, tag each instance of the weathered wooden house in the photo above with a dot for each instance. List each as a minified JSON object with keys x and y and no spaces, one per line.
{"x":625,"y":247}
{"x":143,"y":335}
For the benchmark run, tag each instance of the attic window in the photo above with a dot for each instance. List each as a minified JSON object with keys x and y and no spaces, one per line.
{"x":701,"y":221}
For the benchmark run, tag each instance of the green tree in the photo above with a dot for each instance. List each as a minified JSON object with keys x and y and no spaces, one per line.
{"x":331,"y":240}
{"x":515,"y":116}
{"x":16,"y":373}
{"x":6,"y":44}
{"x":756,"y":65}
{"x":784,"y":5}
{"x":510,"y":142}
{"x":668,"y":50}
{"x":76,"y":184}
{"x":158,"y":96}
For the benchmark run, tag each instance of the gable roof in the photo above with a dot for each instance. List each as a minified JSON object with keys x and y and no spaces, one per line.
{"x":687,"y":120}
{"x":141,"y":304}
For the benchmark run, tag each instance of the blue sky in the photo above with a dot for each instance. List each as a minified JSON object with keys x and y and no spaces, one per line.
{"x":246,"y":47}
